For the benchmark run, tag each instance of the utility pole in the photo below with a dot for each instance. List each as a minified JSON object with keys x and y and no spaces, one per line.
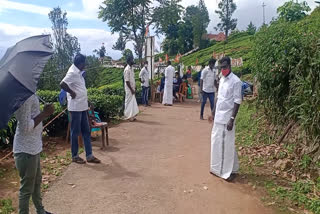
{"x":264,"y":16}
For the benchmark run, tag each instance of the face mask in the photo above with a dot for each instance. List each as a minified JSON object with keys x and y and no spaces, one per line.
{"x":225,"y":71}
{"x":146,"y":66}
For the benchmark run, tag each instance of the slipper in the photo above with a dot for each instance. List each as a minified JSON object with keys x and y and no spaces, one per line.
{"x":78,"y":160}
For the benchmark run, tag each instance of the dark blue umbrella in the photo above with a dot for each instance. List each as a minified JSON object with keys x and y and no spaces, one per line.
{"x":20,"y":70}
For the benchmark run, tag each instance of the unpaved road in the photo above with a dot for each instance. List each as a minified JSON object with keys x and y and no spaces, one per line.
{"x":157,"y":165}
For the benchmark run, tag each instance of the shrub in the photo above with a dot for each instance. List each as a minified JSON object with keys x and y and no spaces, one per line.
{"x":48,"y":96}
{"x":108,"y":106}
{"x":286,"y":61}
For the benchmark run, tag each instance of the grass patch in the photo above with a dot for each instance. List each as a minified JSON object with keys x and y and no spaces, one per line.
{"x":246,"y":126}
{"x":6,"y":206}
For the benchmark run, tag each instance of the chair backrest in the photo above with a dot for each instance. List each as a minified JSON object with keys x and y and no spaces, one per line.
{"x":183,"y":88}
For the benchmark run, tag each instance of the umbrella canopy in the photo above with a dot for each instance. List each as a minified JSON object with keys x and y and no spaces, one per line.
{"x":20,"y":70}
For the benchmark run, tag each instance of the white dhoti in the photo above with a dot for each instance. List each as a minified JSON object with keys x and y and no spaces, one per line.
{"x":131,"y":108}
{"x":224,"y":158}
{"x":168,"y":94}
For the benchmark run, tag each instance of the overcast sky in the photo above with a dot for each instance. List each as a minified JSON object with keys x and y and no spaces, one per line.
{"x":22,"y":18}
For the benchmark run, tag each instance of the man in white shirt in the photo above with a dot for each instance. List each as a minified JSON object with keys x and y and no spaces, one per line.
{"x":168,"y":86}
{"x":144,"y":79}
{"x":74,"y":84}
{"x":130,"y":106}
{"x":224,"y":158}
{"x":208,"y":83}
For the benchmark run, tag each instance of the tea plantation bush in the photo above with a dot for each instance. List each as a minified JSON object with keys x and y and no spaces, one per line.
{"x":286,"y":61}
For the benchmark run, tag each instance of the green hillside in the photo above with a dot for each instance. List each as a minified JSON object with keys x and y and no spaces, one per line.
{"x":239,"y":45}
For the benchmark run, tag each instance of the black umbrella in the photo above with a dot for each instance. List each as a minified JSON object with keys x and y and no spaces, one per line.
{"x":20,"y":70}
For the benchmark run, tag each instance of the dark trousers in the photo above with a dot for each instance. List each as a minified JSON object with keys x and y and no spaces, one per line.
{"x":145,"y":95}
{"x":30,"y":182}
{"x":205,"y":96}
{"x":80,"y":125}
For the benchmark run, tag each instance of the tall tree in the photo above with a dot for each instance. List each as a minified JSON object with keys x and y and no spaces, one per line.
{"x":251,"y":29}
{"x":200,"y":23}
{"x":120,"y":44}
{"x":65,"y":48}
{"x":65,"y":45}
{"x":129,"y":18}
{"x":293,"y":11}
{"x":227,"y":23}
{"x":166,"y":19}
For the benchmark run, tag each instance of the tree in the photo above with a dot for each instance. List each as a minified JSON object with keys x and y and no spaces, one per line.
{"x":200,"y":23}
{"x":293,"y":11}
{"x":227,"y":23}
{"x":167,"y":19}
{"x":120,"y":44}
{"x":129,"y":18}
{"x":167,"y":16}
{"x":65,"y":46}
{"x":126,"y":53}
{"x":251,"y":29}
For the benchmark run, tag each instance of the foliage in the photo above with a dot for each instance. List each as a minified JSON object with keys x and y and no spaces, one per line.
{"x":129,"y":18}
{"x":7,"y":134}
{"x":167,"y":20}
{"x":293,"y":11}
{"x":65,"y":48}
{"x":286,"y":61}
{"x":120,"y":44}
{"x":166,"y":17}
{"x":251,"y":29}
{"x":227,"y":23}
{"x":108,"y":106}
{"x":48,"y":96}
{"x":101,"y":52}
{"x":126,"y":54}
{"x":239,"y":45}
{"x":200,"y":21}
{"x":93,"y":70}
{"x":6,"y":206}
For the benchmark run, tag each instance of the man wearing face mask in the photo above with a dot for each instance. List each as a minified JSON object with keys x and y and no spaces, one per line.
{"x":144,"y":79}
{"x":74,"y":84}
{"x":224,"y":158}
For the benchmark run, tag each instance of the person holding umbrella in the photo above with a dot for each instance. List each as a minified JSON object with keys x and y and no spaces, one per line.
{"x":74,"y":84}
{"x":20,"y":69}
{"x":27,"y":146}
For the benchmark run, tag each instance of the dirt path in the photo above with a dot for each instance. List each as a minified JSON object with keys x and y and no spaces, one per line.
{"x":159,"y":164}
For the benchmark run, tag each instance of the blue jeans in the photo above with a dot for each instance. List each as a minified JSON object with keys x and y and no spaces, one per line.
{"x":80,"y":125}
{"x":145,"y":95}
{"x":205,"y":96}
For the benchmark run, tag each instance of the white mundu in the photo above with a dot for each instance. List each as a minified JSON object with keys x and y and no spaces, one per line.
{"x":131,"y":108}
{"x":168,"y":86}
{"x":224,"y":158}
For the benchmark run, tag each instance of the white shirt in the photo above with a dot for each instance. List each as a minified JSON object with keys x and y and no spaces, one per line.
{"x":208,"y":76}
{"x":28,"y":139}
{"x":229,"y":93}
{"x":76,"y":83}
{"x":144,"y":76}
{"x":128,"y":75}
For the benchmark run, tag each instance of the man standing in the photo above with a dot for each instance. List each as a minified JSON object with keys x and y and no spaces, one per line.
{"x":199,"y":83}
{"x":74,"y":84}
{"x":130,"y":107}
{"x":224,"y":158}
{"x":168,"y":86}
{"x":27,"y":146}
{"x":144,"y":79}
{"x":208,"y":82}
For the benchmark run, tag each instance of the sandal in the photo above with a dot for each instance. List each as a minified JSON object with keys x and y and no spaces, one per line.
{"x":93,"y":160}
{"x":78,"y":160}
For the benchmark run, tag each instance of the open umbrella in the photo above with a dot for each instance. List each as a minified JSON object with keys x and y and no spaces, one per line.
{"x":20,"y":70}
